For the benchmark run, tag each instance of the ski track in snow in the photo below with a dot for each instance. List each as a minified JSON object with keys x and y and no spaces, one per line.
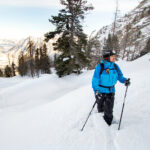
{"x":108,"y":133}
{"x":96,"y":128}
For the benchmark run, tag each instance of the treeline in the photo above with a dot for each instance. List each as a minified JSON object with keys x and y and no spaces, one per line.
{"x":33,"y":62}
{"x":112,"y":43}
{"x":8,"y":71}
{"x":36,"y":60}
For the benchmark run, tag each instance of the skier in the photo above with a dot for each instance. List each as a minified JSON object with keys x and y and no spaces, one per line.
{"x":104,"y":79}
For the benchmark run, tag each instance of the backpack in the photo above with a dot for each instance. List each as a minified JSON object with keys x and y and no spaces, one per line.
{"x":102,"y":68}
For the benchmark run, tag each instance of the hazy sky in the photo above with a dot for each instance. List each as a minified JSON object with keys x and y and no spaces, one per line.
{"x":22,"y":18}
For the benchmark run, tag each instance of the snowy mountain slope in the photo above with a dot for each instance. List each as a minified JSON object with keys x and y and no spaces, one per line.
{"x":134,"y":28}
{"x":48,"y":112}
{"x":12,"y":50}
{"x":133,"y":31}
{"x":5,"y":45}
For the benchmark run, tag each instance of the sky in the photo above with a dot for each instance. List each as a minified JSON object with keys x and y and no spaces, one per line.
{"x":22,"y":18}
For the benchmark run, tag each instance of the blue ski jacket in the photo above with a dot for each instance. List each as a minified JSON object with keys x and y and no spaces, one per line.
{"x":105,"y":83}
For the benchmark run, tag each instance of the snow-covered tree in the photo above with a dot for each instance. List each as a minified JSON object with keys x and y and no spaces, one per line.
{"x":72,"y":40}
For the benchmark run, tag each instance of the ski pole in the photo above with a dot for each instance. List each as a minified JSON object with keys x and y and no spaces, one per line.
{"x":122,"y":108}
{"x":88,"y":116}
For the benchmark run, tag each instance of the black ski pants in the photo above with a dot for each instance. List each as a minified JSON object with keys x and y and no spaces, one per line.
{"x":105,"y":103}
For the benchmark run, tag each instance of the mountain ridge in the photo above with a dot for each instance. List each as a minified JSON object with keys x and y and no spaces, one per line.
{"x":12,"y":51}
{"x":133,"y":31}
{"x":133,"y":27}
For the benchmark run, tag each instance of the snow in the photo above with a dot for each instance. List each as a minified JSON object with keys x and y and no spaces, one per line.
{"x":140,"y":28}
{"x":83,"y":50}
{"x":14,"y":48}
{"x":47,"y":113}
{"x":147,"y":2}
{"x":65,"y":59}
{"x":72,"y":56}
{"x":140,"y":23}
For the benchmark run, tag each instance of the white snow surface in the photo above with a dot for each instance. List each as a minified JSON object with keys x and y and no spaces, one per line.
{"x":65,"y":59}
{"x":47,"y":113}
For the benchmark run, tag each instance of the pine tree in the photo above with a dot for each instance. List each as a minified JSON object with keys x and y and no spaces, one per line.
{"x":31,"y":67}
{"x":13,"y":68}
{"x":115,"y":43}
{"x":1,"y":73}
{"x":112,"y":43}
{"x":72,"y":41}
{"x":55,"y":58}
{"x":31,"y":50}
{"x":37,"y":62}
{"x":8,"y":71}
{"x":108,"y":45}
{"x":22,"y":65}
{"x":44,"y":60}
{"x":41,"y":59}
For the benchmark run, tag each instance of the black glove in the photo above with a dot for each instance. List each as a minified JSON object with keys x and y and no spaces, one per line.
{"x":127,"y":82}
{"x":96,"y":94}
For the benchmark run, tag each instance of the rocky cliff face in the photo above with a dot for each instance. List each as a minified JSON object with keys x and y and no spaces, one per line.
{"x":133,"y":31}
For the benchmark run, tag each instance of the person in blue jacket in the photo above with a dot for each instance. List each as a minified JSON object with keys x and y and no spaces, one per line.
{"x":106,"y":75}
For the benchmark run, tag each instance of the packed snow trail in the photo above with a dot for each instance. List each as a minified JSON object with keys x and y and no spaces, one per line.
{"x":47,"y":113}
{"x":104,"y":132}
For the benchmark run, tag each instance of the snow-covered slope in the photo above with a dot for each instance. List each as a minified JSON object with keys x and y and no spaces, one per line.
{"x":5,"y":46}
{"x":10,"y":50}
{"x":47,"y":113}
{"x":133,"y":31}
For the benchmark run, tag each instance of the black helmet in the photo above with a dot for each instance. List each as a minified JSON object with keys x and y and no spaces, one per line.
{"x":108,"y":53}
